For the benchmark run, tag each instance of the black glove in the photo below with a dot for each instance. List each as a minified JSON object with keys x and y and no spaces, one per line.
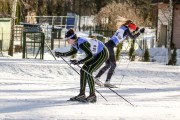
{"x":58,"y":54}
{"x":142,"y":30}
{"x":74,"y":62}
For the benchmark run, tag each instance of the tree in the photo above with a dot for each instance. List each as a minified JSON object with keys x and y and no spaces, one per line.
{"x":18,"y":13}
{"x":107,"y":16}
{"x":5,"y":8}
{"x":146,"y":55}
{"x":80,"y":14}
{"x":131,"y":51}
{"x":118,"y":51}
{"x":170,"y":33}
{"x":13,"y":17}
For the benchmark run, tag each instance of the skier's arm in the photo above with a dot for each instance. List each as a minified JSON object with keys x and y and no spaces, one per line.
{"x":71,"y":52}
{"x":86,"y":48}
{"x":128,"y":33}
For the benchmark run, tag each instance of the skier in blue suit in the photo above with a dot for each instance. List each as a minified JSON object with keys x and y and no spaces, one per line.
{"x":96,"y":54}
{"x":119,"y":36}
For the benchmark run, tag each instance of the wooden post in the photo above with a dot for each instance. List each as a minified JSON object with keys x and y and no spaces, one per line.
{"x":13,"y":17}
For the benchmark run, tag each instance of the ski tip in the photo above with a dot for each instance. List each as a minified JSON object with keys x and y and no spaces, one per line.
{"x":99,"y":83}
{"x":110,"y":86}
{"x":81,"y":101}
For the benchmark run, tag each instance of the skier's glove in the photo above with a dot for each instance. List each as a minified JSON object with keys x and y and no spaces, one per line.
{"x":74,"y":62}
{"x":142,"y":30}
{"x":137,"y":29}
{"x":58,"y":54}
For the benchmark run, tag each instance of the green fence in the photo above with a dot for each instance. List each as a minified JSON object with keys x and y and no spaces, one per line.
{"x":102,"y":35}
{"x":33,"y":45}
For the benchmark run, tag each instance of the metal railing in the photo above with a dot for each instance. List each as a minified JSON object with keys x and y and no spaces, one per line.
{"x":59,"y":21}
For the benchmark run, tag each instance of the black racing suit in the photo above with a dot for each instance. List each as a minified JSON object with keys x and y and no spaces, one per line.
{"x":91,"y":63}
{"x":111,"y":62}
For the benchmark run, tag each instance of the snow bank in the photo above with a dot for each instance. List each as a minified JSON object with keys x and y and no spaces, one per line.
{"x":159,"y":55}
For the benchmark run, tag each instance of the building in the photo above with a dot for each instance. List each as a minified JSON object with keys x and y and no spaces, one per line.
{"x":161,"y":10}
{"x":5,"y":31}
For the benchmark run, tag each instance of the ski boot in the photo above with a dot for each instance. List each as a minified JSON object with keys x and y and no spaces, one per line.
{"x":108,"y":84}
{"x":80,"y":98}
{"x":91,"y":98}
{"x":98,"y":82}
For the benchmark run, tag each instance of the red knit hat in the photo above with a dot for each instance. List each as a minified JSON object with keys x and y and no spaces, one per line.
{"x":132,"y":26}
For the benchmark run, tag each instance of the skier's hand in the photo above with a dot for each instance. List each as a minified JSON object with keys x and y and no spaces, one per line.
{"x":142,"y":30}
{"x":74,"y":62}
{"x":58,"y":54}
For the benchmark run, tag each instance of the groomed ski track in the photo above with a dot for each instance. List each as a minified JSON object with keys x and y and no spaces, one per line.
{"x":37,"y":89}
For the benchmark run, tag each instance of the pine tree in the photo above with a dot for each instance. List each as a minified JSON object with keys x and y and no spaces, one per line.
{"x":131,"y":52}
{"x":146,"y":55}
{"x":118,"y":51}
{"x":174,"y":57}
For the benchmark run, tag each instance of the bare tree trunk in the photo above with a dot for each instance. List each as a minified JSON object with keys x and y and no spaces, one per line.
{"x":79,"y":15}
{"x":170,"y":33}
{"x":13,"y":16}
{"x":74,"y":5}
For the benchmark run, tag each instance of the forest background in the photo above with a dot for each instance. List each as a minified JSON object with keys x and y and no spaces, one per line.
{"x":139,"y":11}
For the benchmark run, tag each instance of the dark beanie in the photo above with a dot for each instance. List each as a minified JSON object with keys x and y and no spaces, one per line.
{"x":70,"y":34}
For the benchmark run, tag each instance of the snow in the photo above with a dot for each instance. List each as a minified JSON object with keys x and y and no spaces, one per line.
{"x":38,"y":89}
{"x":32,"y":89}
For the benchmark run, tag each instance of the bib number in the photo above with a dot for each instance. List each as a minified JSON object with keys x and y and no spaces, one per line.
{"x":94,"y":45}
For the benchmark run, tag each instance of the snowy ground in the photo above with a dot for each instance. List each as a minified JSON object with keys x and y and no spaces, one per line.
{"x":38,"y":90}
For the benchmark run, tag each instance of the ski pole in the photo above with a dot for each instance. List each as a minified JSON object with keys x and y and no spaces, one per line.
{"x":129,"y":62}
{"x":127,"y":65}
{"x":121,"y":96}
{"x":139,"y":45}
{"x":125,"y":69}
{"x":125,"y":53}
{"x":141,"y":48}
{"x":107,"y":87}
{"x":79,"y":74}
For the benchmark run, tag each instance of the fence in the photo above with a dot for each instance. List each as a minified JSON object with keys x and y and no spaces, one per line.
{"x":54,"y":27}
{"x":58,"y":21}
{"x":33,"y":44}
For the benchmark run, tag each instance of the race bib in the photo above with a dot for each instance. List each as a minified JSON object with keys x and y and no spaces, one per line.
{"x":119,"y":34}
{"x":94,"y":45}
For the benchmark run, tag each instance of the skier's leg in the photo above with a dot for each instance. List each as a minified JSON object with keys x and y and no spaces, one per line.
{"x":112,"y":61}
{"x":103,"y":69}
{"x":111,"y":71}
{"x":92,"y":66}
{"x":83,"y":79}
{"x":81,"y":96}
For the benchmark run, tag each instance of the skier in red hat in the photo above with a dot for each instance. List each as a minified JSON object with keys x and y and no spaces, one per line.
{"x":120,"y":35}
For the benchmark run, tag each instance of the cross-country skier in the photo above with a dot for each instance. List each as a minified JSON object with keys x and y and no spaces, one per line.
{"x":96,"y":55}
{"x":120,"y":35}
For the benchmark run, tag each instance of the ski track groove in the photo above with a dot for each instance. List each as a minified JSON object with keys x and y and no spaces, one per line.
{"x":39,"y":85}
